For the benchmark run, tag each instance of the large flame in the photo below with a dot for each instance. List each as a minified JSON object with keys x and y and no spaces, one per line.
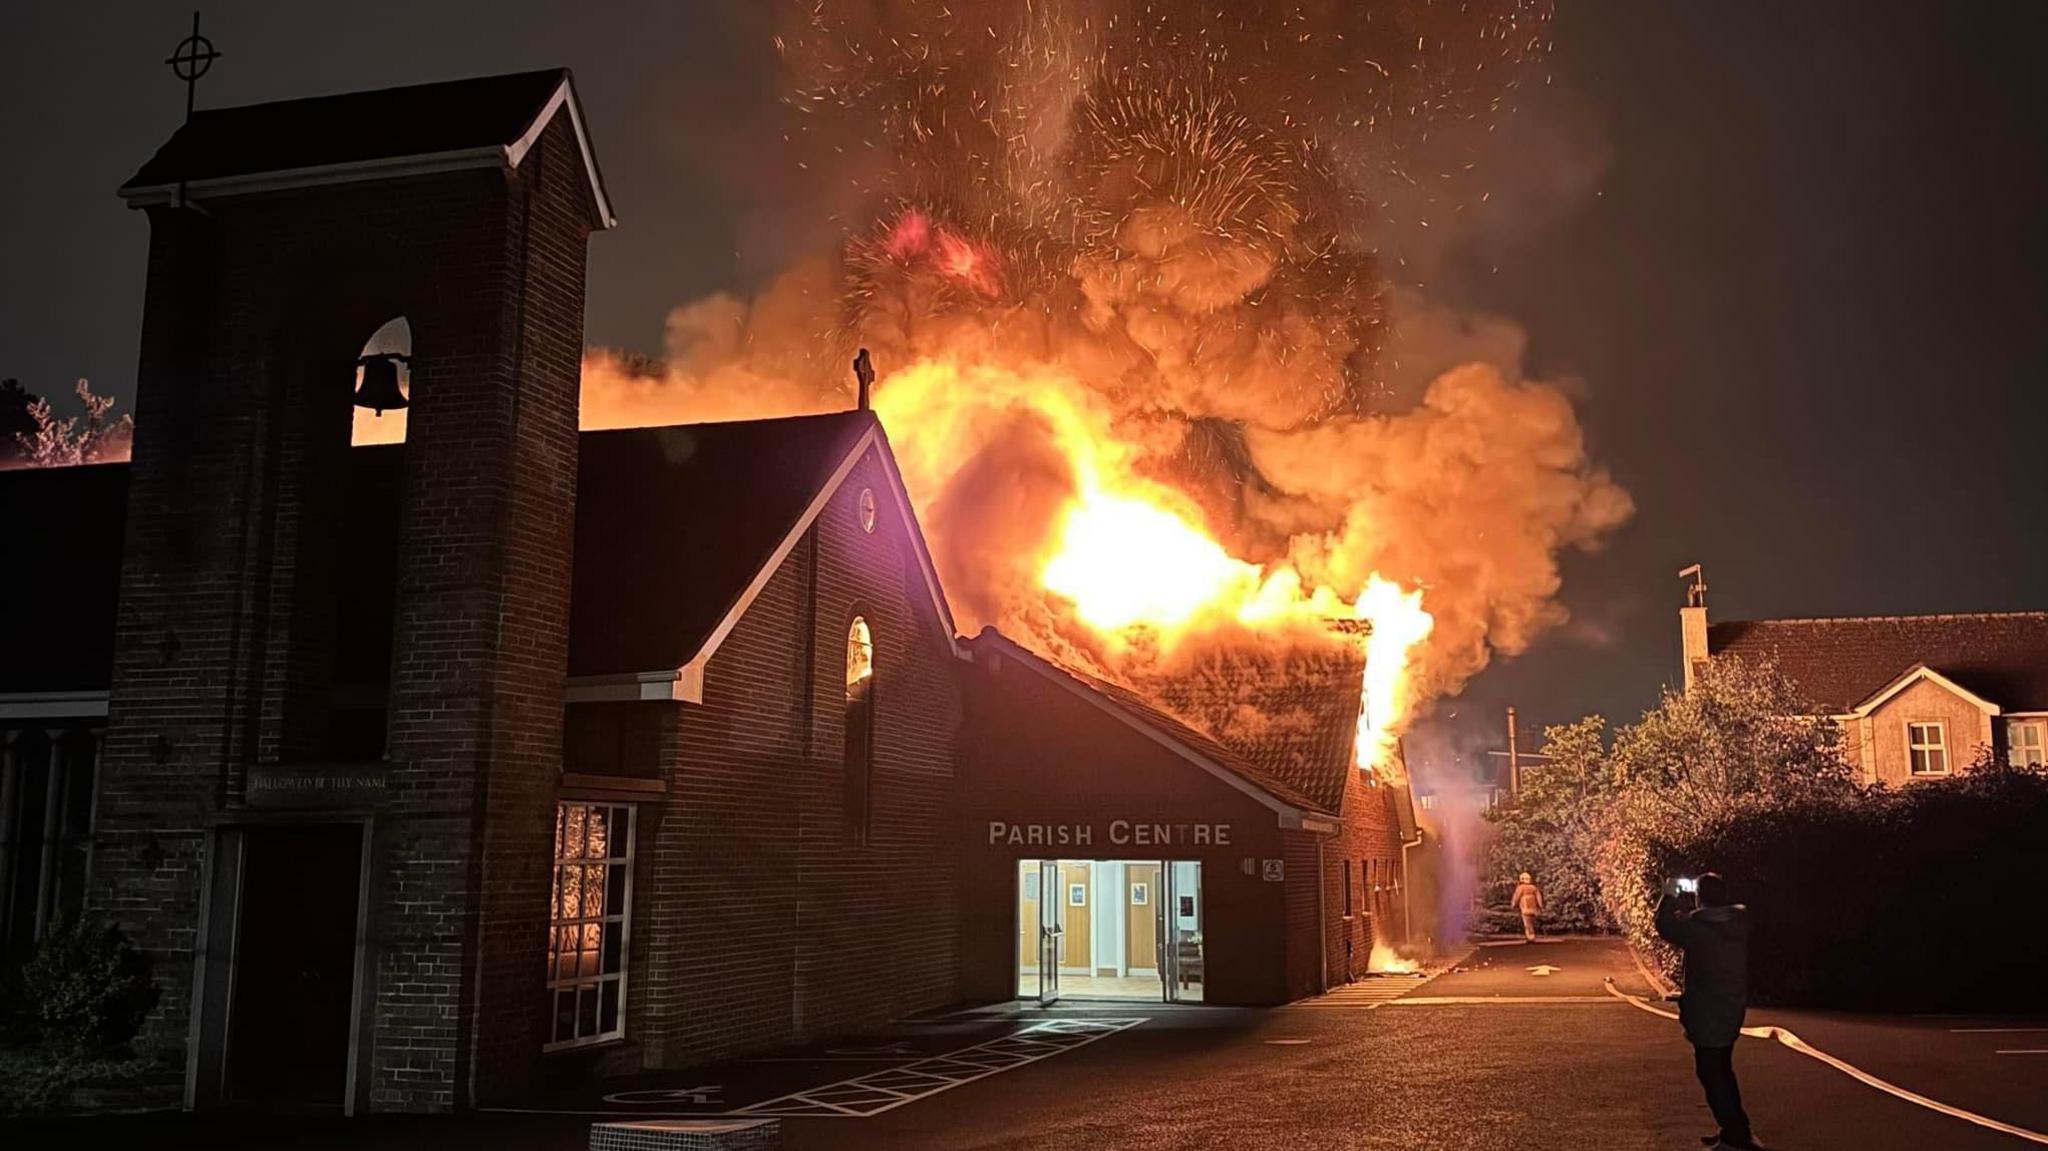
{"x":1146,"y":366}
{"x":1129,"y":557}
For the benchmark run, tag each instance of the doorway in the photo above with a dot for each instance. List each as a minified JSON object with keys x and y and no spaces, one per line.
{"x":1127,"y":929}
{"x":292,"y":991}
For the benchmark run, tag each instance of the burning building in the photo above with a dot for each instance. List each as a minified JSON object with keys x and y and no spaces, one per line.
{"x":428,"y":771}
{"x":551,"y":714}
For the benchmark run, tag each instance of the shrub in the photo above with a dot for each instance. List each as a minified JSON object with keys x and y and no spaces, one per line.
{"x":83,"y":994}
{"x":1899,"y":900}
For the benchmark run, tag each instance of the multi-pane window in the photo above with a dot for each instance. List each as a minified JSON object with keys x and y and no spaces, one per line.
{"x":587,"y":922}
{"x":1348,"y":897}
{"x":1927,"y":748}
{"x":46,"y":803}
{"x":2026,"y":742}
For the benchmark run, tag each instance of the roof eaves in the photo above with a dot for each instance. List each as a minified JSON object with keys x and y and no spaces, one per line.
{"x":690,"y":676}
{"x":1915,"y":674}
{"x":1291,"y":813}
{"x":394,"y":167}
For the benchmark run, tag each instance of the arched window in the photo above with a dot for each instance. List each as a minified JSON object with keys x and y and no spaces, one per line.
{"x":391,"y":343}
{"x":860,"y":725}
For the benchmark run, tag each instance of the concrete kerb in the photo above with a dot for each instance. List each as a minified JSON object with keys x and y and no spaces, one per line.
{"x":687,"y":1135}
{"x":1788,"y":1039}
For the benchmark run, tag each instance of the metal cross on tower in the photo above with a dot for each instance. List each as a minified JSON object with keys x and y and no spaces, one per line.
{"x":193,"y":59}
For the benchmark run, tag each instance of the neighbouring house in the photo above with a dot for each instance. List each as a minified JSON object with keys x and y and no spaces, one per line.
{"x":1917,"y":696}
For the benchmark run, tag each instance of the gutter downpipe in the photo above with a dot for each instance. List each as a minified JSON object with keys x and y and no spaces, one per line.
{"x":1322,"y":921}
{"x":1407,"y":915}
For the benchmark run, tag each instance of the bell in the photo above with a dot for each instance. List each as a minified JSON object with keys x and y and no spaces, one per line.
{"x":379,"y":390}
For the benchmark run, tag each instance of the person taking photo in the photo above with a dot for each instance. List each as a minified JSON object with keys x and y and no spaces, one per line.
{"x":1697,"y":917}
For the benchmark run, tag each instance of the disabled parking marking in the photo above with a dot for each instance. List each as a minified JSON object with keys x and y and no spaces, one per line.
{"x":703,"y":1095}
{"x":885,"y":1090}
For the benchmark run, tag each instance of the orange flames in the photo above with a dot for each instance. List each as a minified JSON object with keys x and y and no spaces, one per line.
{"x":1127,"y":556}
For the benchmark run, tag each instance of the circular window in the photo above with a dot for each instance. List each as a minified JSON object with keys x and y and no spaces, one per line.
{"x":867,"y":510}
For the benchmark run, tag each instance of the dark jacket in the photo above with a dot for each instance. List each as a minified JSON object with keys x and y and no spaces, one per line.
{"x":1716,"y":945}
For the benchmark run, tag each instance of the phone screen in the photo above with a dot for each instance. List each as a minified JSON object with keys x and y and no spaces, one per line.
{"x":1689,"y":886}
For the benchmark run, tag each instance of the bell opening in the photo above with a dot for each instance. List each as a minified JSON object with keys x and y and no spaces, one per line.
{"x":383,"y":385}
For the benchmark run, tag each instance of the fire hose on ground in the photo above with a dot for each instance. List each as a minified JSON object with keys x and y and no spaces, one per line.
{"x":1792,"y":1041}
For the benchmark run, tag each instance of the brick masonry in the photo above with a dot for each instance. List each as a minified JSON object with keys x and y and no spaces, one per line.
{"x":758,"y":920}
{"x":1366,"y":834}
{"x":253,"y":315}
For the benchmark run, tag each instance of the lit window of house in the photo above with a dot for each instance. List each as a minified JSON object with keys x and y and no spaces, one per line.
{"x":587,"y":922}
{"x":2026,"y":742}
{"x":1927,"y":745}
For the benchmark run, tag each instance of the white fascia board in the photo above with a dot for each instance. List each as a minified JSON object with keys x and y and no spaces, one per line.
{"x":632,"y":687}
{"x":1290,"y":815}
{"x":1923,"y":672}
{"x":394,"y":167}
{"x":384,"y":168}
{"x":565,"y":96}
{"x":899,"y":492}
{"x":691,"y":674}
{"x":53,"y":705}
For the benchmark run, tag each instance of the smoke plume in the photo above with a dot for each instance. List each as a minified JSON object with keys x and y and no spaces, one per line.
{"x":1171,"y":249}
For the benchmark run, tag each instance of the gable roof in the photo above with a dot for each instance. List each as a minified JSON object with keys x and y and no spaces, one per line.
{"x":1292,"y":712}
{"x":62,"y":576}
{"x":1839,"y":664}
{"x":484,"y":121}
{"x":1244,"y":764}
{"x":650,"y":598}
{"x":678,"y":529}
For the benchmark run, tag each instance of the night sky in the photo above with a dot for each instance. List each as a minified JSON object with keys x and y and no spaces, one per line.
{"x":1802,"y":300}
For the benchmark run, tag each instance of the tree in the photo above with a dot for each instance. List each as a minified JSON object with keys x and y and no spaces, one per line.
{"x":1552,"y":827}
{"x":1594,"y":823}
{"x":87,"y":439}
{"x":1739,"y":745}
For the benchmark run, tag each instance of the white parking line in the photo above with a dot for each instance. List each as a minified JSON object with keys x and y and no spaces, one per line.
{"x":885,"y":1090}
{"x":1992,"y":1030}
{"x":1854,"y":1072}
{"x":881,"y":1091}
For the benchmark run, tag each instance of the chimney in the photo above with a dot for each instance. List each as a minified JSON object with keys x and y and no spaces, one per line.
{"x":1692,"y":623}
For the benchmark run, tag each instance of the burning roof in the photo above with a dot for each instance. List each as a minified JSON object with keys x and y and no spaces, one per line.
{"x":1282,"y":723}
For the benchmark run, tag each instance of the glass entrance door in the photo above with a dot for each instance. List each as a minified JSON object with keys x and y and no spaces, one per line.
{"x":1182,"y":966}
{"x":1049,"y":931}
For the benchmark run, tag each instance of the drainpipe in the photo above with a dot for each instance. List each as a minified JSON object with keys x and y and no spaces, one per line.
{"x":1407,"y":916}
{"x":1322,"y":921}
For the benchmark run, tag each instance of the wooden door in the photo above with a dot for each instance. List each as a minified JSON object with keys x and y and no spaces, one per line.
{"x":1141,"y":914}
{"x":1076,"y":884}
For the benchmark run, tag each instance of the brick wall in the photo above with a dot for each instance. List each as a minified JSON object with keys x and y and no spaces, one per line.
{"x":760,"y":920}
{"x":1366,"y":832}
{"x":253,"y":315}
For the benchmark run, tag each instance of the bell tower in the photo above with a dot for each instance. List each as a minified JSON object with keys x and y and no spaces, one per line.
{"x":335,"y":719}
